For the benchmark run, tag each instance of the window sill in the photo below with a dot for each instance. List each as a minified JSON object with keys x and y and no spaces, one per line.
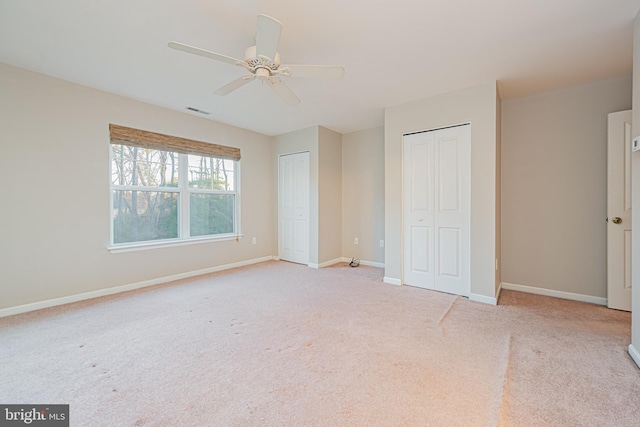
{"x":116,"y":249}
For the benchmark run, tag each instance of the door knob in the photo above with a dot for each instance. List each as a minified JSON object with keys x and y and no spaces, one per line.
{"x":616,"y":220}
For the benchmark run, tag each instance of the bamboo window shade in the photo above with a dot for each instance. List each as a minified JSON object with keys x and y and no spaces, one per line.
{"x":157,"y":141}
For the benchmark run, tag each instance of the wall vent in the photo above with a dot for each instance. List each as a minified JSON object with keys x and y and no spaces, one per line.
{"x":196,"y":110}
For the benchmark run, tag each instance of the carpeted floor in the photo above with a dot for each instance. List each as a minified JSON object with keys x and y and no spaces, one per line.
{"x":279,"y":344}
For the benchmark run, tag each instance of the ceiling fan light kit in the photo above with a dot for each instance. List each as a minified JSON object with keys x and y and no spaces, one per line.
{"x":263,"y":62}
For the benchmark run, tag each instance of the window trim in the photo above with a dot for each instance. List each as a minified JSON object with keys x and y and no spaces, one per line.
{"x":184,"y":200}
{"x":169,"y":243}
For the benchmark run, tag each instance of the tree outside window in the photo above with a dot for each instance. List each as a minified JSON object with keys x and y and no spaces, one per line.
{"x":165,"y":195}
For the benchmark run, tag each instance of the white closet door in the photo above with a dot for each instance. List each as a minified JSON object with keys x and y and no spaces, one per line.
{"x":453,"y":205}
{"x":619,"y":211}
{"x":437,"y":209}
{"x":293,"y":208}
{"x":419,"y":218}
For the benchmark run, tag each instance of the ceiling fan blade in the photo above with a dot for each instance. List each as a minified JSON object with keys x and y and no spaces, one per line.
{"x":236,"y":84}
{"x":205,"y":53}
{"x":267,"y":36}
{"x":313,"y":71}
{"x":283,"y":91}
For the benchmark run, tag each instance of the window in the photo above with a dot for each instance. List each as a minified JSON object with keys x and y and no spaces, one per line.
{"x":171,"y":191}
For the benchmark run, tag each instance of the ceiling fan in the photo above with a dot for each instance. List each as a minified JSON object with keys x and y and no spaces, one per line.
{"x":263,"y":62}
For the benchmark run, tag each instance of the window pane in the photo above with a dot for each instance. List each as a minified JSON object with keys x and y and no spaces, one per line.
{"x":140,"y":216}
{"x":211,"y":214}
{"x":211,"y":174}
{"x":144,"y":167}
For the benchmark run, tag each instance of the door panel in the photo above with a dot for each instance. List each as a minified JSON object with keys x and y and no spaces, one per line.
{"x":449,"y":175}
{"x":300,"y":239}
{"x":420,"y":177}
{"x":287,"y":233}
{"x":449,"y":252}
{"x":287,"y":176}
{"x":420,"y":249}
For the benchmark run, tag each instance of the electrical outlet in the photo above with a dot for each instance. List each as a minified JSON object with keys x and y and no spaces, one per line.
{"x":382,"y":243}
{"x":355,"y":240}
{"x":254,"y":241}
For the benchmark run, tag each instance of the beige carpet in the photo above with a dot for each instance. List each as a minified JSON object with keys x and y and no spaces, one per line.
{"x":278,"y":344}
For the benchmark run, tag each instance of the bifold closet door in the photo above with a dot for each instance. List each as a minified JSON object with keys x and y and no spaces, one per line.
{"x":293,"y":208}
{"x":436,"y":209}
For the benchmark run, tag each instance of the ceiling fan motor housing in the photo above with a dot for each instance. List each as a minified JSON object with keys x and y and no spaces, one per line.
{"x":262,"y":73}
{"x":261,"y":64}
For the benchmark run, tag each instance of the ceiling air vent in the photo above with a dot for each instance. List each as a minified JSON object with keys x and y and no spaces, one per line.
{"x":196,"y":110}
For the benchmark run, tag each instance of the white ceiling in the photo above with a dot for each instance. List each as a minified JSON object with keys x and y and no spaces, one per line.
{"x":393,"y":51}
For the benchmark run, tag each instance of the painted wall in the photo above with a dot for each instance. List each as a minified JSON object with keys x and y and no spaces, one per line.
{"x":363,"y":194}
{"x":329,"y":195}
{"x":554,"y":186}
{"x":55,"y":195}
{"x":635,"y":274}
{"x":475,"y":105}
{"x":296,"y":142}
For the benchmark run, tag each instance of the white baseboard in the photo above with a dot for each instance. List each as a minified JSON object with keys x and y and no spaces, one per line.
{"x":123,"y":288}
{"x":392,"y":281}
{"x":635,"y":355}
{"x":554,"y":293}
{"x":373,"y":264}
{"x":367,"y":263}
{"x":483,"y":299}
{"x":330,"y":262}
{"x":344,"y":259}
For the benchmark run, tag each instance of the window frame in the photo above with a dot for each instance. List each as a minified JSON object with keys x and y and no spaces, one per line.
{"x":184,"y":198}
